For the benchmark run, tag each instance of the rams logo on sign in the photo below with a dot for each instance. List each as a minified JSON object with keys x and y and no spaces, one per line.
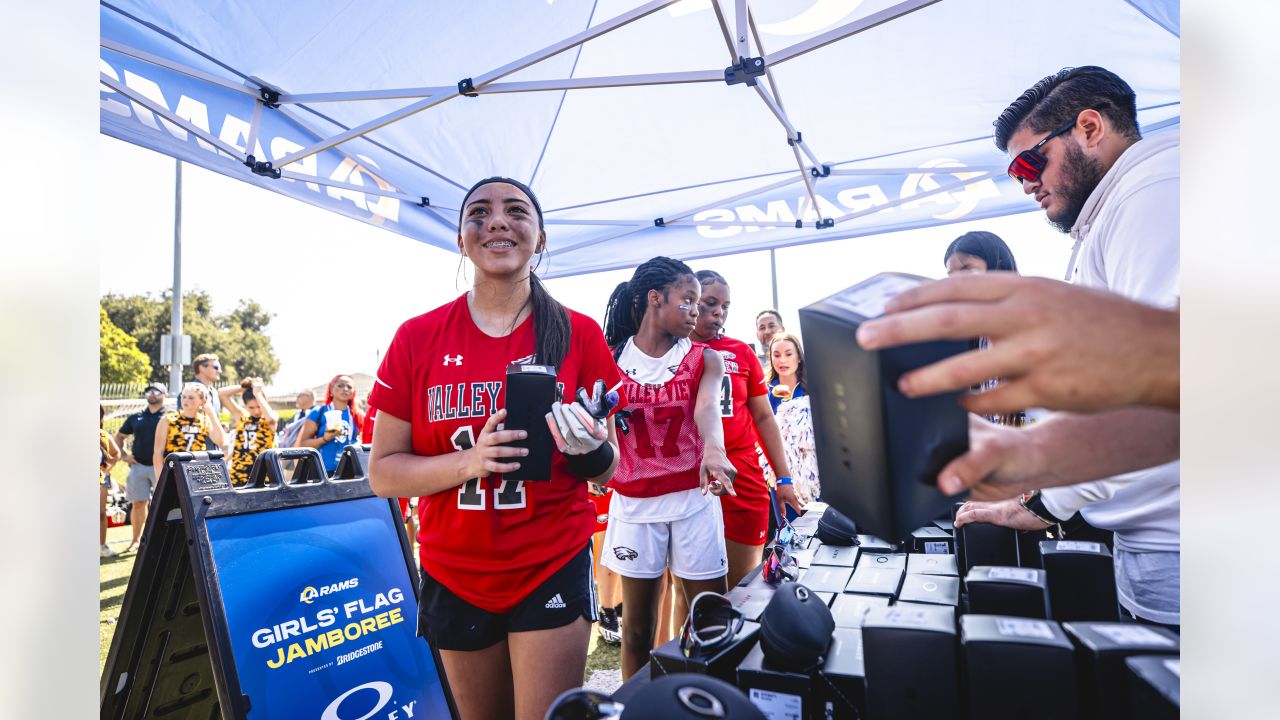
{"x":309,"y":594}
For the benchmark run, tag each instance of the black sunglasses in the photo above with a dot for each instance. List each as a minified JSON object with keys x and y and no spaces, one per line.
{"x":713,"y":622}
{"x":1028,"y":164}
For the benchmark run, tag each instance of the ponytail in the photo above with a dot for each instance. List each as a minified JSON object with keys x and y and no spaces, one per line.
{"x":620,"y":320}
{"x":551,"y":329}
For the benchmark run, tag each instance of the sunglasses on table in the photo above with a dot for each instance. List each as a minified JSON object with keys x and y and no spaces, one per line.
{"x":789,"y":537}
{"x":713,"y":622}
{"x":780,"y":565}
{"x":1028,"y":164}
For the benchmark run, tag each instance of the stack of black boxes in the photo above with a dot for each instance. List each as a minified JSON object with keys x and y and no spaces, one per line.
{"x":964,"y":634}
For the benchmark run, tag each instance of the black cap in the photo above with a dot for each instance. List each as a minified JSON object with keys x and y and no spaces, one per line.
{"x":686,"y":696}
{"x":795,"y":628}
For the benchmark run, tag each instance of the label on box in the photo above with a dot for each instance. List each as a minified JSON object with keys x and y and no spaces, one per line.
{"x":544,"y":369}
{"x":1014,"y":627}
{"x":1174,"y":666}
{"x":1012,"y":573}
{"x":869,"y":298}
{"x":937,"y":548}
{"x":906,"y":617}
{"x":1080,"y":546}
{"x":776,"y":705}
{"x":1133,"y":635}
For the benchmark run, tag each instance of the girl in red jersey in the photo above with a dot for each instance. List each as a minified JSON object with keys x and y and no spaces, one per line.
{"x":507,"y":594}
{"x":660,"y":514}
{"x":748,"y":419}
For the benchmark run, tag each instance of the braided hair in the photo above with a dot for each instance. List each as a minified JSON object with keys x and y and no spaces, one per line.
{"x":627,"y":304}
{"x":551,"y":329}
{"x":710,"y":277}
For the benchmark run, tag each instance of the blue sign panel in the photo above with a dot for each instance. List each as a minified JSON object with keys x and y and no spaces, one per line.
{"x":321,"y":613}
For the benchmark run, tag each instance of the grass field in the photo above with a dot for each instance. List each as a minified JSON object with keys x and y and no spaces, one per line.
{"x":114,"y":578}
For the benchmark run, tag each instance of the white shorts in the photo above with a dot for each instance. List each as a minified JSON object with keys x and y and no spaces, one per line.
{"x":693,"y":547}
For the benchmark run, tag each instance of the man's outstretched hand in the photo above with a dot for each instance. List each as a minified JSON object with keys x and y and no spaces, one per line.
{"x":1054,"y":345}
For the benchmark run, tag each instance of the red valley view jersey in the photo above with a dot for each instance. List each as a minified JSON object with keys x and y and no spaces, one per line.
{"x":663,"y":452}
{"x":489,"y":540}
{"x":743,"y":379}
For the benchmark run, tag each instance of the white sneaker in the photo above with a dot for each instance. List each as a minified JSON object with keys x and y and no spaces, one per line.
{"x":107,"y":552}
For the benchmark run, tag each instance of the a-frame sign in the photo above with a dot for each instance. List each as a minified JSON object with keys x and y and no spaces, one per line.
{"x":277,"y":600}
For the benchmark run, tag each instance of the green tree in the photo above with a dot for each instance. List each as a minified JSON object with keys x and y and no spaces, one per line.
{"x":119,"y":359}
{"x":239,"y":338}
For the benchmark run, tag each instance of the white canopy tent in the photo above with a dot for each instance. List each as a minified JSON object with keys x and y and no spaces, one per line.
{"x":689,"y":128}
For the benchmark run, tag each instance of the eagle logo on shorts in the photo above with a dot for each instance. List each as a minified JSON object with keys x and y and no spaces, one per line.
{"x":625,"y":553}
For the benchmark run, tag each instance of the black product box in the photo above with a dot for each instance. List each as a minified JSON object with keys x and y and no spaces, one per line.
{"x":668,"y":659}
{"x":880,"y":450}
{"x":849,"y":609}
{"x":778,"y":694}
{"x":1018,"y":668}
{"x":836,"y":556}
{"x":871,"y":543}
{"x":840,"y":686}
{"x":1029,"y":547}
{"x":1155,"y":687}
{"x":918,"y":564}
{"x":1101,"y":649}
{"x":1082,"y":580}
{"x":985,"y":544}
{"x":1007,"y":591}
{"x":870,"y":580}
{"x":946,"y":525}
{"x":931,"y":589}
{"x":827,"y":597}
{"x":751,"y":600}
{"x":826,"y":578}
{"x":912,"y":667}
{"x":885,"y":561}
{"x":932,"y":540}
{"x":530,"y":391}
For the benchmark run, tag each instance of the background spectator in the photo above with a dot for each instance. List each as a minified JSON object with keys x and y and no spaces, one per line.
{"x":108,"y":455}
{"x":334,"y":425}
{"x":141,"y":481}
{"x":253,"y":426}
{"x":208,"y":370}
{"x":788,"y":393}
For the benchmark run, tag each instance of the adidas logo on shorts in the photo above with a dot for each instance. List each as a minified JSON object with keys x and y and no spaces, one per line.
{"x":555,"y":603}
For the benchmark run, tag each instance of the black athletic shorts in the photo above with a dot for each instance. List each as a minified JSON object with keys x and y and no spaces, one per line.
{"x":451,"y":623}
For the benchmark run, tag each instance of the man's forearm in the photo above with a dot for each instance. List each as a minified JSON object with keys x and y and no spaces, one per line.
{"x":1080,"y":448}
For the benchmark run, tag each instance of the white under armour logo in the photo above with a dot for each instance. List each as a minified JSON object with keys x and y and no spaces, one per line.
{"x":556,"y":602}
{"x":452,"y":359}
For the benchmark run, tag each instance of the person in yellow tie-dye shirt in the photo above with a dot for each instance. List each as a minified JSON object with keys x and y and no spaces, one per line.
{"x":253,"y":425}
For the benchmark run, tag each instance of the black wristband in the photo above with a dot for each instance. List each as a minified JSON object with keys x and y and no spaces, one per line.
{"x":593,"y":464}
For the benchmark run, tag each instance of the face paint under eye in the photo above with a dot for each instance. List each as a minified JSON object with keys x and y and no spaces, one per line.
{"x":684,"y":308}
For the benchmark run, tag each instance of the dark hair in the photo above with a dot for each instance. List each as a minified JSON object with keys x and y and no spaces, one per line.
{"x":627,"y":304}
{"x":551,"y":329}
{"x":986,"y":245}
{"x":711,"y":277}
{"x":772,"y":312}
{"x":1057,"y":98}
{"x":246,"y":389}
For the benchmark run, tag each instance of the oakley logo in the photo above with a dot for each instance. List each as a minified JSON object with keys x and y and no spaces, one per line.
{"x":625,"y":553}
{"x":452,"y":360}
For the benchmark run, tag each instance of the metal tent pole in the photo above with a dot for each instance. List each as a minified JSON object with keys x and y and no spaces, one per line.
{"x":175,"y":366}
{"x":773,"y":274}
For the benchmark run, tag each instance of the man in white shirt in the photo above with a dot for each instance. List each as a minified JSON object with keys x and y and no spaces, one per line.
{"x":1075,"y":146}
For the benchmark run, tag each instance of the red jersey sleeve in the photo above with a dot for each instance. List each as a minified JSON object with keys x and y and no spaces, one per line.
{"x":392,"y":389}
